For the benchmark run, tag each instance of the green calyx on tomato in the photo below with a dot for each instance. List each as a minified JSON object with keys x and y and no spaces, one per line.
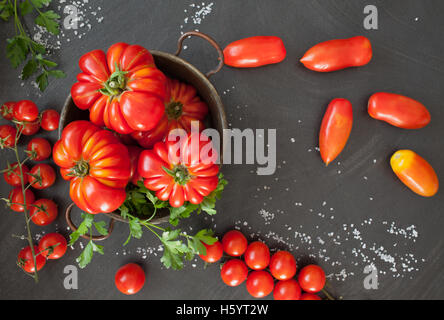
{"x":81,"y":169}
{"x":116,"y":84}
{"x":174,"y":109}
{"x":179,"y":173}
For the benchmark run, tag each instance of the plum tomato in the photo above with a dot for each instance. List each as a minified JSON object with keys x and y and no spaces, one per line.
{"x":214,"y":252}
{"x":46,"y":173}
{"x":53,"y":246}
{"x":234,"y":243}
{"x":12,"y":177}
{"x":17,"y":199}
{"x":234,"y":272}
{"x":260,"y":284}
{"x":287,"y":290}
{"x":26,"y":262}
{"x":7,"y":136}
{"x":130,"y":279}
{"x":283,"y":265}
{"x":50,"y":120}
{"x":39,"y":149}
{"x":43,"y":212}
{"x":25,"y":110}
{"x":257,"y":256}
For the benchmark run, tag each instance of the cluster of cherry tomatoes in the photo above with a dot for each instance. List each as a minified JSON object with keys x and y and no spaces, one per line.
{"x":260,"y":281}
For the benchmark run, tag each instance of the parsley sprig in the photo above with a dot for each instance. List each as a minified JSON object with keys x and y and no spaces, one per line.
{"x":21,"y":48}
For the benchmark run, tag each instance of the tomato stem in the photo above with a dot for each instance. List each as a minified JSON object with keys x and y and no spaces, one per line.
{"x":174,"y":109}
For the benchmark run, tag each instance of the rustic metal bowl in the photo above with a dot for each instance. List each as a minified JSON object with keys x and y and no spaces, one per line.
{"x":175,"y":67}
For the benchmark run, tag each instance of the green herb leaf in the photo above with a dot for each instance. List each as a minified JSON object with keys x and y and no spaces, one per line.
{"x":82,"y":229}
{"x":29,"y":69}
{"x":49,"y":20}
{"x":26,"y":7}
{"x":42,"y":81}
{"x":174,"y":250}
{"x":101,"y":227}
{"x":40,"y":3}
{"x":85,"y":257}
{"x":206,"y":236}
{"x":182,"y":212}
{"x":56,"y":73}
{"x":6,"y":10}
{"x":16,"y":51}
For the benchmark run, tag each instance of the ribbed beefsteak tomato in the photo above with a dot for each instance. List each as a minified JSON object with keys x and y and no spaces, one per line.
{"x":180,"y":171}
{"x":182,"y":108}
{"x":122,"y":89}
{"x":97,"y":165}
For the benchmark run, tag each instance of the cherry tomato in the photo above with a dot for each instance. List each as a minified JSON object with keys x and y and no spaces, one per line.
{"x":283,"y":265}
{"x":16,"y":198}
{"x":255,"y":52}
{"x":43,"y":212}
{"x":287,"y":290}
{"x":130,"y":279}
{"x":257,"y":256}
{"x":53,"y":246}
{"x":6,"y":110}
{"x":335,"y":129}
{"x":50,"y":120}
{"x":234,"y":272}
{"x":415,"y":172}
{"x":310,"y":296}
{"x":39,"y":149}
{"x":26,"y":262}
{"x":46,"y":173}
{"x":338,"y":54}
{"x":30,"y":128}
{"x":7,"y":136}
{"x":399,"y":111}
{"x":312,"y":278}
{"x":214,"y":252}
{"x":25,"y":110}
{"x":259,"y":284}
{"x":13,"y":178}
{"x":234,"y":243}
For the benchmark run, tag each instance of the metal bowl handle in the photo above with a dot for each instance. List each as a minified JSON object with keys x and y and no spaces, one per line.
{"x":210,"y":40}
{"x":87,"y":237}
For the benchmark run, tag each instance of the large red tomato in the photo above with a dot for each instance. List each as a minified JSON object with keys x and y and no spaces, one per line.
{"x":182,"y":108}
{"x":97,"y":164}
{"x":180,"y":171}
{"x":122,"y":89}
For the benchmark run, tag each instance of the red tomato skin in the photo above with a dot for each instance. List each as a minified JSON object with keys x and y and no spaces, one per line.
{"x":312,"y":278}
{"x":335,"y":129}
{"x":214,"y":252}
{"x":53,"y":239}
{"x":257,"y":255}
{"x":234,"y":272}
{"x":25,"y":110}
{"x":42,"y":149}
{"x":26,"y":255}
{"x":255,"y":52}
{"x":259,"y":284}
{"x":287,"y":290}
{"x":9,"y":133}
{"x":16,"y":197}
{"x":338,"y":54}
{"x":50,"y":120}
{"x":134,"y":153}
{"x":6,"y":110}
{"x":310,"y":296}
{"x":283,"y":265}
{"x":42,"y":218}
{"x":47,"y":174}
{"x":130,"y":279}
{"x":30,"y":128}
{"x":13,"y":178}
{"x":234,"y":243}
{"x":399,"y":111}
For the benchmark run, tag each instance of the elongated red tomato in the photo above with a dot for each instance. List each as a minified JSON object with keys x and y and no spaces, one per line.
{"x":335,"y":129}
{"x":97,"y":164}
{"x":338,"y":54}
{"x":415,"y":172}
{"x":183,"y":109}
{"x":122,"y":89}
{"x":180,"y":171}
{"x":255,"y":52}
{"x":399,"y":111}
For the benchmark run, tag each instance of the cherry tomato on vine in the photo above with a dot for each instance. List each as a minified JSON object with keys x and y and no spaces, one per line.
{"x":39,"y":149}
{"x":255,"y":52}
{"x":30,"y":128}
{"x":257,"y":255}
{"x":13,"y":177}
{"x":43,"y":212}
{"x":260,"y":284}
{"x":17,"y":199}
{"x":310,"y":296}
{"x":7,"y":136}
{"x":283,"y":265}
{"x":25,"y":110}
{"x":287,"y":290}
{"x":399,"y":111}
{"x":26,"y":262}
{"x":234,"y":272}
{"x":312,"y":278}
{"x":50,"y":120}
{"x":234,"y":243}
{"x":415,"y":172}
{"x":214,"y":252}
{"x":6,"y":110}
{"x":47,"y":175}
{"x":335,"y":129}
{"x":53,"y":246}
{"x":338,"y":54}
{"x":130,"y":279}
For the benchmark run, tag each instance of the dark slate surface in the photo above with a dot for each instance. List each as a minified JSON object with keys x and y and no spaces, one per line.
{"x":407,"y":59}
